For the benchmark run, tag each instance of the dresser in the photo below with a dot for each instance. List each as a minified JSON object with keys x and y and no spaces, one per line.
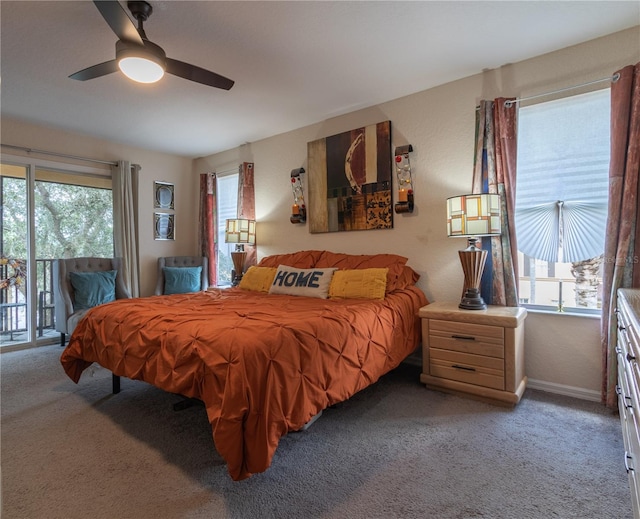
{"x":479,"y":353}
{"x":628,"y":387}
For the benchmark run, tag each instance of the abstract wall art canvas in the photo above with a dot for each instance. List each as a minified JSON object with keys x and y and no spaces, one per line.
{"x":349,"y":177}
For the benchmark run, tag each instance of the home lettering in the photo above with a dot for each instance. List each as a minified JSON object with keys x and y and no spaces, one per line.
{"x":298,"y":279}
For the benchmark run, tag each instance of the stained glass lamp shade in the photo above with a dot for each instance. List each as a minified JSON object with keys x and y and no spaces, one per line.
{"x":239,"y":231}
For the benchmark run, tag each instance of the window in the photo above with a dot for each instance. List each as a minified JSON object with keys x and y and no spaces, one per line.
{"x":69,"y":213}
{"x":73,"y":215}
{"x":561,"y":201}
{"x":227,"y":201}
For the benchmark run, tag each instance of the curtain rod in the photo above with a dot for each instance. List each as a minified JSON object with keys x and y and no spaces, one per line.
{"x":613,"y":79}
{"x":54,"y":154}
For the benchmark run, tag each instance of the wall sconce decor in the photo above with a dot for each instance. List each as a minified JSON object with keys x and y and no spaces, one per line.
{"x":299,"y":209}
{"x":405,"y":180}
{"x":239,"y":231}
{"x":472,"y":216}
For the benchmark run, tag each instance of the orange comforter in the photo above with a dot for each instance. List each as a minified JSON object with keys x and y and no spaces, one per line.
{"x":262,"y":364}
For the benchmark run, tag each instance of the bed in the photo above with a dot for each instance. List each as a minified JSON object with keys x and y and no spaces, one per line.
{"x":263,"y":363}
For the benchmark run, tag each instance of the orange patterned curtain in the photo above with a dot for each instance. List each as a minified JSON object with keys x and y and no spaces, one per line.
{"x":495,"y":172}
{"x":208,"y":223}
{"x":620,"y":266}
{"x":247,"y":205}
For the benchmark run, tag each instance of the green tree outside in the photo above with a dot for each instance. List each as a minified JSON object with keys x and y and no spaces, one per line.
{"x":71,"y":221}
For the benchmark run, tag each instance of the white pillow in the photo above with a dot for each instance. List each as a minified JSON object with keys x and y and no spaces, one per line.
{"x":302,"y":282}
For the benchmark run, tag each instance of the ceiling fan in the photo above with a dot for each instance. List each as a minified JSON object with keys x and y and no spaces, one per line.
{"x":137,"y":57}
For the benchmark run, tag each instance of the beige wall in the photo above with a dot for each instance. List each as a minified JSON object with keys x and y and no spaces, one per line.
{"x":562,"y":351}
{"x":155,"y":166}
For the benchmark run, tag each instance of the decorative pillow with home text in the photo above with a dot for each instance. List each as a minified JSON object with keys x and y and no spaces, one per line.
{"x":302,"y":282}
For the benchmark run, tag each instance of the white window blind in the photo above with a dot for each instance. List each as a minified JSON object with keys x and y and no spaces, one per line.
{"x":562,"y":183}
{"x":227,"y":201}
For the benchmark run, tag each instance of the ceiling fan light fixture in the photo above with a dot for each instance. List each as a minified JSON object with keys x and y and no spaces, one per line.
{"x":138,"y":58}
{"x":144,"y":64}
{"x":141,"y":69}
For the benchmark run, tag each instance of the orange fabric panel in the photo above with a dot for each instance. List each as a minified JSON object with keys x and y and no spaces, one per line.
{"x":263,"y":364}
{"x":304,"y":259}
{"x":393,"y":262}
{"x":408,"y":277}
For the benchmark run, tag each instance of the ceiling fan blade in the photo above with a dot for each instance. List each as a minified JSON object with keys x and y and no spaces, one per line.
{"x":96,"y":71}
{"x":118,"y":20}
{"x":197,"y":74}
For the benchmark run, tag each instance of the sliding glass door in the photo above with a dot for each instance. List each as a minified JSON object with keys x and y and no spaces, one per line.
{"x":47,"y":213}
{"x":14,"y":246}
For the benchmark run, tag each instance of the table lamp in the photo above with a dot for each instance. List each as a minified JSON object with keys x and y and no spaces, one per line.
{"x":239,"y":231}
{"x":473,"y":216}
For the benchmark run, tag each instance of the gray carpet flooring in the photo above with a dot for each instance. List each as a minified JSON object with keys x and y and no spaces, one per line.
{"x":395,"y":450}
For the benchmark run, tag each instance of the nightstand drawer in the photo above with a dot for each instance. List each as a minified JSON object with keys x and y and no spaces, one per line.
{"x":478,"y":339}
{"x":467,"y":369}
{"x":487,"y":333}
{"x":475,"y":346}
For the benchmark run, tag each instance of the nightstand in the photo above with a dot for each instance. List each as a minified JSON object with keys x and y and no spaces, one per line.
{"x":478,"y":353}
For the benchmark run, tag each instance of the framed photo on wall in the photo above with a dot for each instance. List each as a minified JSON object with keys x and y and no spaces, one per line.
{"x":163,"y":195}
{"x":164,"y":226}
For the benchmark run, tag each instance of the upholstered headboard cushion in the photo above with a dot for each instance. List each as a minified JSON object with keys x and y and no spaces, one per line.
{"x":399,"y":275}
{"x":393,"y":262}
{"x":304,"y":259}
{"x":408,"y":277}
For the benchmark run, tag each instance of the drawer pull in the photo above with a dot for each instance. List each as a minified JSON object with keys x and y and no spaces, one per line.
{"x":618,"y":350}
{"x":466,"y":368}
{"x":463,"y":337}
{"x":628,"y":401}
{"x":630,"y":357}
{"x":628,"y":457}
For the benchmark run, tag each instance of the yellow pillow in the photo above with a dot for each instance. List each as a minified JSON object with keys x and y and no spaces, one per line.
{"x":359,"y":284}
{"x":258,"y":279}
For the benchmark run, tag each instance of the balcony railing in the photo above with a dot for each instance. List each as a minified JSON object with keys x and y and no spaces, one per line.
{"x":13,"y":302}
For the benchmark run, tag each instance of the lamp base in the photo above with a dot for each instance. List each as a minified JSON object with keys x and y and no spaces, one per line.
{"x":472,"y":300}
{"x":472,"y":260}
{"x":238,"y":258}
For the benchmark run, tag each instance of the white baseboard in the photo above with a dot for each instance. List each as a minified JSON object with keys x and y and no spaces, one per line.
{"x":561,"y":389}
{"x":541,"y":385}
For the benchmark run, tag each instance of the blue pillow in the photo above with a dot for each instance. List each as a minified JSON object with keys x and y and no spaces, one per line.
{"x":180,"y":280}
{"x":93,"y":288}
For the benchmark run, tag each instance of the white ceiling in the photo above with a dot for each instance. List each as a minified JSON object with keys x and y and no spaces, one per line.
{"x":294,"y":63}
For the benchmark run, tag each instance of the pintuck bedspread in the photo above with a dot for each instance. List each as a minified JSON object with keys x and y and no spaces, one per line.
{"x":263,"y":364}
